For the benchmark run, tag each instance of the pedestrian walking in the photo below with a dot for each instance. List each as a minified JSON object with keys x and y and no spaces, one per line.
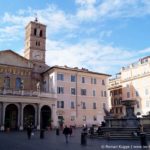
{"x":99,"y":130}
{"x":66,"y":133}
{"x":70,"y":131}
{"x":29,"y":131}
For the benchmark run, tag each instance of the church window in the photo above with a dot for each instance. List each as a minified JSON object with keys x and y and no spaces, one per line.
{"x":7,"y":82}
{"x":18,"y":83}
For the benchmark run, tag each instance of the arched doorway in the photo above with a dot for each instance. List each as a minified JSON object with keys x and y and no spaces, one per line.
{"x":28,"y":116}
{"x":45,"y":117}
{"x":11,"y":116}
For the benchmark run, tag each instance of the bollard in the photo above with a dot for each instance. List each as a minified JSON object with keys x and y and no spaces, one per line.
{"x":143,"y":140}
{"x":83,"y":139}
{"x":42,"y":134}
{"x":57,"y":131}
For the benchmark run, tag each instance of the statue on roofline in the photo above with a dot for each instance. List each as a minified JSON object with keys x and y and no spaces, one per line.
{"x":38,"y":86}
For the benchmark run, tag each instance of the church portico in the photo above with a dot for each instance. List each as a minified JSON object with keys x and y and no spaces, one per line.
{"x":18,"y":112}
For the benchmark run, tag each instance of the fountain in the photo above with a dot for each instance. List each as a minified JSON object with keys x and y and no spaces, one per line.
{"x":124,"y":127}
{"x":129,"y":120}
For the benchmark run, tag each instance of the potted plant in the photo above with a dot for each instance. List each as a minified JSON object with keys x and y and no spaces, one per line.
{"x":50,"y":120}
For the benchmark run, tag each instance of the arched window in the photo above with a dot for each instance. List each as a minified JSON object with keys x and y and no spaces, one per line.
{"x":18,"y":83}
{"x":35,"y":31}
{"x":7,"y":82}
{"x":41,"y":33}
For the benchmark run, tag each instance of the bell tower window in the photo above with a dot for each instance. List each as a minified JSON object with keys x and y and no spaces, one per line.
{"x":37,"y":43}
{"x":41,"y":33}
{"x":35,"y":31}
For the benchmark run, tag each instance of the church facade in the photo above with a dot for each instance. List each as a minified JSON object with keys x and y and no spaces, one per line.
{"x":31,"y":92}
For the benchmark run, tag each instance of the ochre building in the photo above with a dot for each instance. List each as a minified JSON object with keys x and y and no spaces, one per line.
{"x":132,"y":83}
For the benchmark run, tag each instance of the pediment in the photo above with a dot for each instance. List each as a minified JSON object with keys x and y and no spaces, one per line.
{"x":9,"y":57}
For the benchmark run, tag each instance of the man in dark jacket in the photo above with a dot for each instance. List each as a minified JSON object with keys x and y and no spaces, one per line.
{"x":66,"y":133}
{"x":29,"y":131}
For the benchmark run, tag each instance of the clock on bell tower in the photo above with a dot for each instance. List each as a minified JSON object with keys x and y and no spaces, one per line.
{"x":35,"y":40}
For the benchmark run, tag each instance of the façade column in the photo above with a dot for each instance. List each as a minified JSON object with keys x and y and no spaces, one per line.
{"x":38,"y":114}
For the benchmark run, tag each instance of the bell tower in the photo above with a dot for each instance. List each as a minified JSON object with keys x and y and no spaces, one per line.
{"x":35,"y":40}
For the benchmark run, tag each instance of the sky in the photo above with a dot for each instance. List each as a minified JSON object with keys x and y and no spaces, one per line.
{"x":100,"y":35}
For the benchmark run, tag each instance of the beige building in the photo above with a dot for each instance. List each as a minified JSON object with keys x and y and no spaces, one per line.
{"x":31,"y":92}
{"x":81,"y":94}
{"x":135,"y":84}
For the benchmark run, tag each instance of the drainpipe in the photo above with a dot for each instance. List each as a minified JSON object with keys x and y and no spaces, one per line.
{"x":76,"y":94}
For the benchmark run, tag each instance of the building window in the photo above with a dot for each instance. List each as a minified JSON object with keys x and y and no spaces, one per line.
{"x":91,"y":80}
{"x":94,"y":105}
{"x":120,"y":110}
{"x":146,"y":92}
{"x":101,"y":93}
{"x":7,"y":82}
{"x":72,"y":105}
{"x":83,"y":91}
{"x":83,"y":105}
{"x":103,"y":82}
{"x":136,"y":93}
{"x":72,"y":118}
{"x":83,"y":79}
{"x":94,"y":118}
{"x":105,"y":94}
{"x":148,"y":103}
{"x":60,"y":77}
{"x":73,"y":78}
{"x":94,"y":80}
{"x":60,"y":90}
{"x":94,"y":93}
{"x":116,"y":110}
{"x":128,"y":94}
{"x":73,"y":91}
{"x":115,"y":92}
{"x":18,"y":83}
{"x":84,"y":118}
{"x":60,"y":104}
{"x":115,"y":102}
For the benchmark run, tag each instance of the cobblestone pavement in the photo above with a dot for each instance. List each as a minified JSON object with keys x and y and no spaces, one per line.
{"x":19,"y":141}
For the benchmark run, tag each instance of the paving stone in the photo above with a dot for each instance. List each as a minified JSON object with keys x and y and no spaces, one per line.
{"x":19,"y":141}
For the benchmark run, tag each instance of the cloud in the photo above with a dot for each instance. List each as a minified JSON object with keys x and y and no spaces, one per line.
{"x":88,"y":13}
{"x":88,"y":54}
{"x":146,"y":50}
{"x":107,"y":9}
{"x":68,"y":41}
{"x":85,"y":2}
{"x":10,"y":33}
